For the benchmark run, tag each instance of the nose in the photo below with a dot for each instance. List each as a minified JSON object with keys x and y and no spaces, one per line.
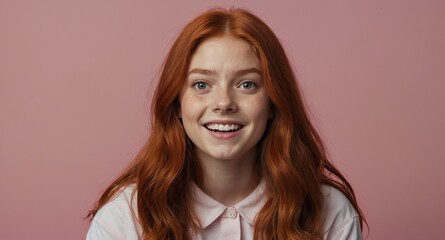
{"x":224,"y":101}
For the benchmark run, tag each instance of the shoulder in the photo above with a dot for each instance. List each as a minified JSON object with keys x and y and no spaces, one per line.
{"x":341,"y":219}
{"x":117,"y":219}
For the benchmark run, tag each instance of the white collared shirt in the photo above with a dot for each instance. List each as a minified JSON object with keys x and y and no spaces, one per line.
{"x":116,"y":221}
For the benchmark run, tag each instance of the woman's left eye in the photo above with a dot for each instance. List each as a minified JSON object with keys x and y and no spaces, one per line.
{"x":247,"y":85}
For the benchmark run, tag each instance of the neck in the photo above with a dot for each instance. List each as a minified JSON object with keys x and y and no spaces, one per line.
{"x":229,"y":181}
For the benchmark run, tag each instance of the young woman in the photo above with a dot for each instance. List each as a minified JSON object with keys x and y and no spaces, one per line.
{"x":232,"y":153}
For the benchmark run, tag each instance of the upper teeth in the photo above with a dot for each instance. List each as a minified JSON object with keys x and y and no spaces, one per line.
{"x":223,"y":127}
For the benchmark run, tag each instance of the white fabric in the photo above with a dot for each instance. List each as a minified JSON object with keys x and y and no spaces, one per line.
{"x":116,"y":220}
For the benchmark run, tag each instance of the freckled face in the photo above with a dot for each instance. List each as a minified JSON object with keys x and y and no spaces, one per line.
{"x":223,"y":105}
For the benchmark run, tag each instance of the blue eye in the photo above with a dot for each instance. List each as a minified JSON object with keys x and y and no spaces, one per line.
{"x":247,"y":85}
{"x":200,"y":85}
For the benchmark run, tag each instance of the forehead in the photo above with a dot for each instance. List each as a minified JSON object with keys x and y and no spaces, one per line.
{"x":224,"y":53}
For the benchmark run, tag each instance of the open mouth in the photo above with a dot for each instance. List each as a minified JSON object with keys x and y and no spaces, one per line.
{"x":223,"y":127}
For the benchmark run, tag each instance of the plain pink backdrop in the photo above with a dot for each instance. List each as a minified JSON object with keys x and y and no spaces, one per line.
{"x":76,"y":79}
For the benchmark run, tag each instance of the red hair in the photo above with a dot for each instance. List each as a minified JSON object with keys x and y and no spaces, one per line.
{"x":292,"y":159}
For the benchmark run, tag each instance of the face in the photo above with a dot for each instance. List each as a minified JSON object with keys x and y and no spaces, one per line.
{"x":223,"y":105}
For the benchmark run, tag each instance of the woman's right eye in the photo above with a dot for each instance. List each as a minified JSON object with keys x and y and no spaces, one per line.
{"x":200,"y":85}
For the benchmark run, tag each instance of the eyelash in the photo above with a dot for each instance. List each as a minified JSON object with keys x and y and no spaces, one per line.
{"x":201,"y":85}
{"x":196,"y":85}
{"x":252,"y":85}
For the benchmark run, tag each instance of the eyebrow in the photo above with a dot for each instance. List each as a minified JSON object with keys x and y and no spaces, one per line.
{"x":213,"y":72}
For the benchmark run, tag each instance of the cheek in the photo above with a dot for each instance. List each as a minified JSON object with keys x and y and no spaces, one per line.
{"x":258,"y":108}
{"x":191,"y":106}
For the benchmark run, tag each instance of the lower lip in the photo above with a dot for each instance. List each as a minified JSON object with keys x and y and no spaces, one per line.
{"x":224,"y":135}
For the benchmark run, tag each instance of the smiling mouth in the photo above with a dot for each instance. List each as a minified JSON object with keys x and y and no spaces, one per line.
{"x":223,"y":127}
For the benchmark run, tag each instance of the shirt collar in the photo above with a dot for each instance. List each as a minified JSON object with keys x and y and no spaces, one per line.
{"x":207,"y":209}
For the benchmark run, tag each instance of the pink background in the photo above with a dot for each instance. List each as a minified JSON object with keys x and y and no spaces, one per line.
{"x":76,"y":79}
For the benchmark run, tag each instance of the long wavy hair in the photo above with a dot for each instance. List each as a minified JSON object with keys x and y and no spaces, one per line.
{"x":292,"y":159}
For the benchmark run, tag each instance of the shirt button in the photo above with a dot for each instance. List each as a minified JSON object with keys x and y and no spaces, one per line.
{"x":230,"y":213}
